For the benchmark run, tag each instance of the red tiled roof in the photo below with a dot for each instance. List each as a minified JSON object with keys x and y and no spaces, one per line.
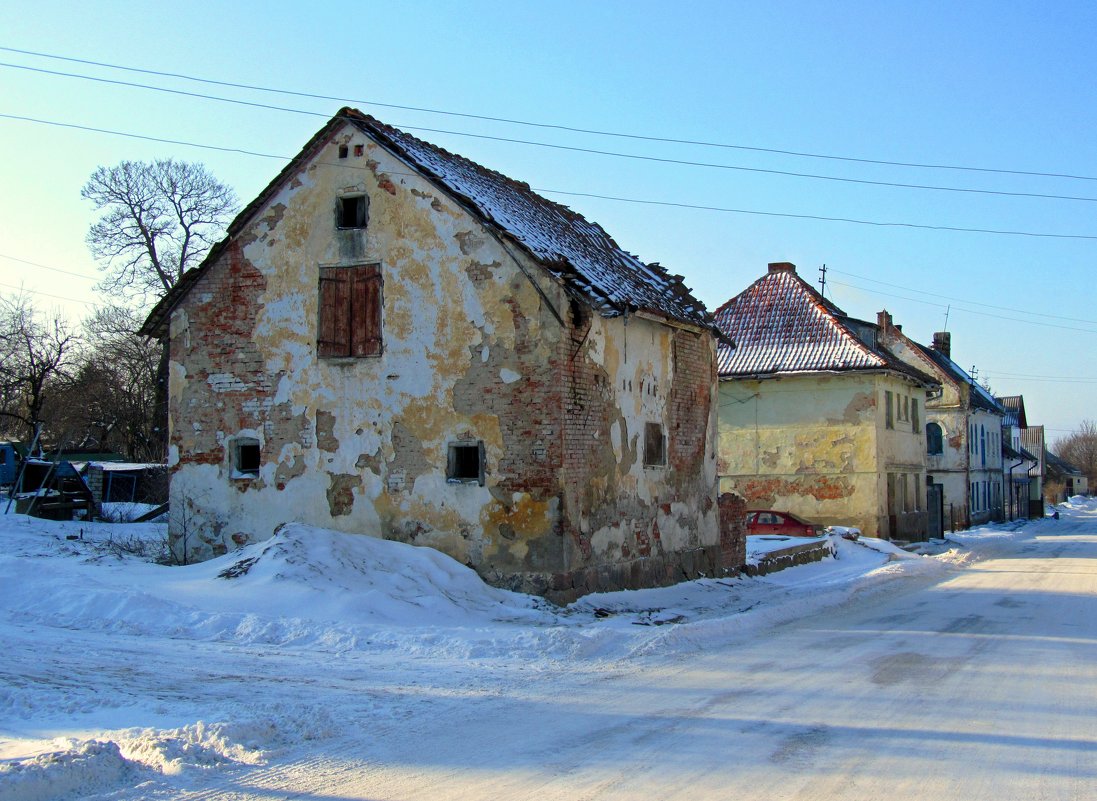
{"x":780,"y":324}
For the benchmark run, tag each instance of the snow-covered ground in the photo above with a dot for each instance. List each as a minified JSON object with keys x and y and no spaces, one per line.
{"x":122,"y":678}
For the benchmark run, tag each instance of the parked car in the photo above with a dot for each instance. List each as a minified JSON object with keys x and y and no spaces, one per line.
{"x":782,"y":523}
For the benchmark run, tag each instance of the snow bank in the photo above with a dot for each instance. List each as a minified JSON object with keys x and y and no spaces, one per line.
{"x":89,"y":767}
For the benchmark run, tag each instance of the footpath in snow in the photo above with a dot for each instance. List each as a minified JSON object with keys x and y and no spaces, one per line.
{"x":125,"y":678}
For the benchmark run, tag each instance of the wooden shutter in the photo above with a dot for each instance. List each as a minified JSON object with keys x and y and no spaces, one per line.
{"x":335,"y":298}
{"x":366,"y":306}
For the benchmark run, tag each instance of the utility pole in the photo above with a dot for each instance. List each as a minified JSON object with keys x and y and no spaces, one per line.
{"x":823,"y":280}
{"x":948,"y":308}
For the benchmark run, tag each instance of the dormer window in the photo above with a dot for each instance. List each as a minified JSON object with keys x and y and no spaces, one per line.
{"x":352,"y":211}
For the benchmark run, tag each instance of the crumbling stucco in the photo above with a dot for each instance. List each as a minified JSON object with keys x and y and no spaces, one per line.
{"x":480,"y":345}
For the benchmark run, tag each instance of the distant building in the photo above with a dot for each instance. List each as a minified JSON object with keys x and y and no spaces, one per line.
{"x":817,"y":417}
{"x":963,"y":430}
{"x":1017,"y":462}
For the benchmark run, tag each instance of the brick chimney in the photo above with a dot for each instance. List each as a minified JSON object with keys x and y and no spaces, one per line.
{"x":782,"y":267}
{"x":883,"y":320}
{"x":942,"y":343}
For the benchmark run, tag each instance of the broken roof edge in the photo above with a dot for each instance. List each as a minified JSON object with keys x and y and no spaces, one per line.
{"x":694,"y":311}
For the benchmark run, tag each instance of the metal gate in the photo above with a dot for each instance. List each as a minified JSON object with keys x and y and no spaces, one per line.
{"x":935,"y":506}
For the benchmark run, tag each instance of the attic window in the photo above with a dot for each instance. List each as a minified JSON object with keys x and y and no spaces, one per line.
{"x":343,"y":150}
{"x":359,"y":150}
{"x":351,"y":211}
{"x":245,"y":458}
{"x":655,"y":445}
{"x":465,"y":463}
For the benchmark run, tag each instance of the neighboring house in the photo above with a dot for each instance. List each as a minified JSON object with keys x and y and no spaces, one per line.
{"x":1017,"y":462}
{"x":397,"y":341}
{"x":963,"y":430}
{"x":1067,"y":479}
{"x":1032,"y":440}
{"x":816,"y":417}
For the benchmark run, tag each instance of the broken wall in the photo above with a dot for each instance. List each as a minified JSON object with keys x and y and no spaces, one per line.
{"x":474,"y":355}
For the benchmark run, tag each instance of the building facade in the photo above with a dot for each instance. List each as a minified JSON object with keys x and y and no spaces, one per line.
{"x":395,"y":341}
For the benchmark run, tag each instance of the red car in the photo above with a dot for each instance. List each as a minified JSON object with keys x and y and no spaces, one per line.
{"x":783,"y":523}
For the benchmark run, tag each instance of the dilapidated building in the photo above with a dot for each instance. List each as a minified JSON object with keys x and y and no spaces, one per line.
{"x":816,"y":417}
{"x":397,"y":341}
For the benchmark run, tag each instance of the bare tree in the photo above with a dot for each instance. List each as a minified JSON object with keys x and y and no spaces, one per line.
{"x":37,"y":355}
{"x":110,"y":404}
{"x":1080,"y":449}
{"x":159,"y":219}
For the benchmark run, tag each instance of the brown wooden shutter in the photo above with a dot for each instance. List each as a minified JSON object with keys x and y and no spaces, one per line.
{"x":335,"y":306}
{"x":366,"y":306}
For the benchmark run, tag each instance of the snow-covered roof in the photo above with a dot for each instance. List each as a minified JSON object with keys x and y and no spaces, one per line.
{"x":575,"y":250}
{"x":1015,"y":410}
{"x":980,"y":398}
{"x":780,"y":324}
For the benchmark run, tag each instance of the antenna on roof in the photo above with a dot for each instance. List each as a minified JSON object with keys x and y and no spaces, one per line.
{"x":974,"y":374}
{"x":823,"y":280}
{"x":948,"y":308}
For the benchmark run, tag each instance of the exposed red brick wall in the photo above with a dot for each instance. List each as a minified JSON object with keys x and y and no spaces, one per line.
{"x":733,"y":533}
{"x":690,"y":402}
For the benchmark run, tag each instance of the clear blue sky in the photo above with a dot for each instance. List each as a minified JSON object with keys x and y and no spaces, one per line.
{"x":1006,"y":86}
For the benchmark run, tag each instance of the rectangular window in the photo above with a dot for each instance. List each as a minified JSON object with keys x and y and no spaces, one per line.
{"x":889,"y":420}
{"x":917,"y":492}
{"x":245,"y":457}
{"x":350,"y":311}
{"x":915,"y":420}
{"x":465,"y":463}
{"x":655,"y":445}
{"x":352,"y":211}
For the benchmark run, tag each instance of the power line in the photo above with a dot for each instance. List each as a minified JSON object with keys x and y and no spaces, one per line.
{"x":959,"y":300}
{"x":46,"y":267}
{"x":969,"y":311}
{"x":615,"y":198}
{"x":575,"y":149}
{"x":1047,"y":377}
{"x":1000,"y":232}
{"x":48,"y":295}
{"x":552,"y":126}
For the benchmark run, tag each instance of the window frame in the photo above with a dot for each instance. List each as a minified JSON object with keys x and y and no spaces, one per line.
{"x":453,"y":461}
{"x":357,"y":218}
{"x":350,"y":311}
{"x":654,"y":432}
{"x":935,"y":435}
{"x":238,"y":470}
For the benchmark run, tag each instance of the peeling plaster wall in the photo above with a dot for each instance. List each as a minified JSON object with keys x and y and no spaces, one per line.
{"x":955,"y":467}
{"x":472,"y":353}
{"x":815,"y":445}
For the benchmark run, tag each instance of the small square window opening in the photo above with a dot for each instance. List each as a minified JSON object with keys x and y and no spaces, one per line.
{"x":465,"y":463}
{"x":246,"y":458}
{"x":343,"y":151}
{"x":359,"y":150}
{"x":352,"y":212}
{"x":655,"y":445}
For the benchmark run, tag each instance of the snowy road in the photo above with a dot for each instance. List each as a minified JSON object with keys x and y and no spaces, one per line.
{"x":974,"y":681}
{"x":983,"y":686}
